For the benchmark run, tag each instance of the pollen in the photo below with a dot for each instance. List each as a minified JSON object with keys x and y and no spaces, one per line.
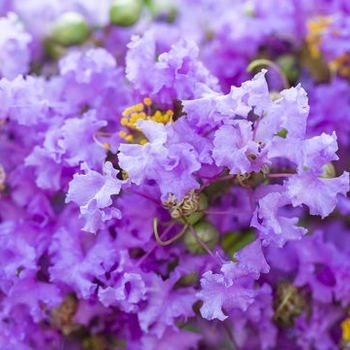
{"x":142,"y":111}
{"x":316,"y":27}
{"x":129,"y":138}
{"x":341,"y":65}
{"x":106,"y":146}
{"x":147,"y":101}
{"x":345,"y":326}
{"x":143,"y":142}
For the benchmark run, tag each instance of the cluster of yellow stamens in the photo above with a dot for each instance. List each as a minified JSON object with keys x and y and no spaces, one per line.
{"x":341,"y":65}
{"x":316,"y":28}
{"x":345,"y":326}
{"x":141,"y":111}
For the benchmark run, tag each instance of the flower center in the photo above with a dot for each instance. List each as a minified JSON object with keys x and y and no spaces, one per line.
{"x":316,"y":28}
{"x":142,"y":111}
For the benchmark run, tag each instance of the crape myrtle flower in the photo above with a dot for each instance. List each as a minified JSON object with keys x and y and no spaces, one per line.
{"x":138,"y":145}
{"x":274,"y":227}
{"x":327,"y":41}
{"x":76,"y":116}
{"x":95,"y":202}
{"x":81,"y":262}
{"x":163,"y":164}
{"x":235,"y":280}
{"x":316,"y":332}
{"x":163,"y":76}
{"x":14,"y":46}
{"x":328,"y":116}
{"x":89,"y":78}
{"x":254,"y":327}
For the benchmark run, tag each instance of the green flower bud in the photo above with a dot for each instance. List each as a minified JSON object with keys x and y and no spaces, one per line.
{"x":70,"y":29}
{"x":125,"y":13}
{"x":162,"y":9}
{"x":289,"y":66}
{"x":206,"y":232}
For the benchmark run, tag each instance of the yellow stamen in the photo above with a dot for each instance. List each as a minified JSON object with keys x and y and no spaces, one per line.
{"x":133,"y":114}
{"x":316,"y":28}
{"x":345,"y":326}
{"x":143,"y":142}
{"x":122,"y":133}
{"x":106,"y":146}
{"x":129,"y":138}
{"x":341,"y":65}
{"x":147,"y":101}
{"x":124,"y":121}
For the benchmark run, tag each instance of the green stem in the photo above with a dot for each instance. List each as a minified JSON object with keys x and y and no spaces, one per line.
{"x":269,"y":63}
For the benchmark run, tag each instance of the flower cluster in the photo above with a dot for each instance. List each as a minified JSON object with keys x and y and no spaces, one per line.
{"x":173,"y":175}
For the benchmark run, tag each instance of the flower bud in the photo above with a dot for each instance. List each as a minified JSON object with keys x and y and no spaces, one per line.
{"x":162,"y":10}
{"x":125,"y":13}
{"x":70,"y":29}
{"x":206,"y":232}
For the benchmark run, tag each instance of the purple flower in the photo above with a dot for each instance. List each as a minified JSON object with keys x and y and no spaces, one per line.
{"x":165,"y":305}
{"x":235,"y":149}
{"x":171,"y":165}
{"x":126,"y":294}
{"x":331,"y":113}
{"x":79,"y":260}
{"x":167,"y":75}
{"x":321,"y":194}
{"x":274,"y":228}
{"x":96,"y":200}
{"x":232,"y":288}
{"x":14,"y":47}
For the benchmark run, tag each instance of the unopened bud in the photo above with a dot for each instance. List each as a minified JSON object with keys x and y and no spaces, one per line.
{"x":125,"y":13}
{"x":70,"y":29}
{"x":206,"y":232}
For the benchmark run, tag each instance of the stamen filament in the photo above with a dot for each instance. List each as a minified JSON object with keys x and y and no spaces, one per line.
{"x":169,"y":241}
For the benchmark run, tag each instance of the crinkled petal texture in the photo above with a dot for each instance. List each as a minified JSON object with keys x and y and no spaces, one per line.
{"x":86,"y":74}
{"x":126,"y":294}
{"x":21,"y":247}
{"x":172,"y":74}
{"x":14,"y":47}
{"x":273,"y":226}
{"x":316,"y":266}
{"x":254,"y":328}
{"x":331,"y":113}
{"x":232,"y":288}
{"x":308,"y":154}
{"x":165,"y":306}
{"x":66,"y":146}
{"x":235,"y":149}
{"x":289,"y":112}
{"x":95,"y":200}
{"x":213,"y":109}
{"x":319,"y":194}
{"x":79,"y":258}
{"x":171,"y":165}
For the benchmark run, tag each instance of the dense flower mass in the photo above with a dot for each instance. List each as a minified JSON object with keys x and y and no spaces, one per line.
{"x":174,"y":175}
